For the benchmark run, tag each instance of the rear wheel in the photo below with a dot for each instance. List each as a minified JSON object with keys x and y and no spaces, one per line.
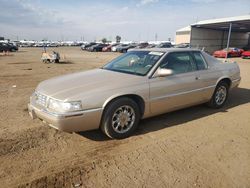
{"x":120,"y":118}
{"x":220,"y":95}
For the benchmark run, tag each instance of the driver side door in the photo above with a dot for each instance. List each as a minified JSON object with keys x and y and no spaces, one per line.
{"x":179,"y":90}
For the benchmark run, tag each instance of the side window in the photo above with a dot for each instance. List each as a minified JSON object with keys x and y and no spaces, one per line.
{"x":200,"y":62}
{"x":178,"y":62}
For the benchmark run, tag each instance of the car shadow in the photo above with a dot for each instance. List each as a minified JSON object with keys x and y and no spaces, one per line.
{"x":237,"y":97}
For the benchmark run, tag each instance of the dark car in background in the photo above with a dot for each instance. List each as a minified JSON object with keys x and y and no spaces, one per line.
{"x":13,"y":48}
{"x":142,"y":45}
{"x":4,"y":47}
{"x":164,"y":45}
{"x":97,"y":47}
{"x":125,"y":48}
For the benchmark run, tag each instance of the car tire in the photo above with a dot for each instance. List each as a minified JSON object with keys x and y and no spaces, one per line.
{"x":120,"y":118}
{"x":220,"y":95}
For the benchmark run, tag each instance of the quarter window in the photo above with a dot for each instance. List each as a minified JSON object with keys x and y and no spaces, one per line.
{"x":180,"y":62}
{"x":200,"y":62}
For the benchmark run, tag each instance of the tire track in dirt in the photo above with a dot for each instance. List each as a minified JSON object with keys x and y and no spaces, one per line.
{"x":148,"y":163}
{"x":24,"y":140}
{"x":135,"y":168}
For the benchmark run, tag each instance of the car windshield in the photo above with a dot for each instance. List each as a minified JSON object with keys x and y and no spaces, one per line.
{"x":134,"y":62}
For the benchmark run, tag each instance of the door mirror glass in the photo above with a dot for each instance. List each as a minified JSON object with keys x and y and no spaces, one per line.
{"x":161,"y":72}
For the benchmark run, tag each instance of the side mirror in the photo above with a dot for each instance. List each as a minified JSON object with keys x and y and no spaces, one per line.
{"x":163,"y":72}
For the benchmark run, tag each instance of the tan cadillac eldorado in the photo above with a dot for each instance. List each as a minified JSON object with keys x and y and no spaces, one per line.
{"x":136,"y":85}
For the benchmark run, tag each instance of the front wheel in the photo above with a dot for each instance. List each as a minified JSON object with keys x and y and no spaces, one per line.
{"x":120,"y":118}
{"x":220,"y":95}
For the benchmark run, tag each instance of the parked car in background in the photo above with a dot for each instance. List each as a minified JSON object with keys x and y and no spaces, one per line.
{"x":151,"y":46}
{"x":142,"y":45}
{"x":25,"y":45}
{"x":245,"y":54}
{"x":4,"y":47}
{"x":109,"y":47}
{"x":164,"y":45}
{"x":136,"y":85}
{"x":125,"y":48}
{"x":8,"y":47}
{"x":13,"y":48}
{"x":85,"y":46}
{"x":97,"y":47}
{"x":114,"y":48}
{"x":52,"y":45}
{"x":182,"y":45}
{"x":39,"y":44}
{"x":232,"y":52}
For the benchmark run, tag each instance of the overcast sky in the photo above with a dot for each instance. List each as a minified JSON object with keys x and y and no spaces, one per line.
{"x":95,"y":19}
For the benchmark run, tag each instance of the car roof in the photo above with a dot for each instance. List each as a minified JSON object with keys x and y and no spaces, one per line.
{"x":166,"y":49}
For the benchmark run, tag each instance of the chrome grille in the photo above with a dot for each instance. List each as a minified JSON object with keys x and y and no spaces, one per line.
{"x":40,"y":99}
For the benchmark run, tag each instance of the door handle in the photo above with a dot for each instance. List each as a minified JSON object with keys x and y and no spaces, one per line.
{"x":197,"y":78}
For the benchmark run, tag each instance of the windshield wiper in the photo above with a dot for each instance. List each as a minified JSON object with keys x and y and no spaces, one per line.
{"x":126,"y":72}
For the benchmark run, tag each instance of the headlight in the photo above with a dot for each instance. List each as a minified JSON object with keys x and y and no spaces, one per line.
{"x":60,"y":106}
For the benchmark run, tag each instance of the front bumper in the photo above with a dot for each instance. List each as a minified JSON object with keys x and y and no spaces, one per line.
{"x":69,"y":122}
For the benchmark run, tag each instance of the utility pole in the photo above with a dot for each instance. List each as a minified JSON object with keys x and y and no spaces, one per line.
{"x":156,"y":36}
{"x":228,"y":38}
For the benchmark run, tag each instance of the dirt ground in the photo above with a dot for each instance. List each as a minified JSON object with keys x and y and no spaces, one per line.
{"x":194,"y":147}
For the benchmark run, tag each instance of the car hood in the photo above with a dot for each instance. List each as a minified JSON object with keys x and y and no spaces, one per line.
{"x":220,"y":52}
{"x":87,"y":83}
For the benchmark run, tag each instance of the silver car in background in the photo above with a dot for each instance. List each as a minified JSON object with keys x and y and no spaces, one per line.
{"x":139,"y":84}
